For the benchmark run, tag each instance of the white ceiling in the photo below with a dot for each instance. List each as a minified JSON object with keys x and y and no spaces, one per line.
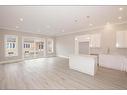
{"x":58,"y":20}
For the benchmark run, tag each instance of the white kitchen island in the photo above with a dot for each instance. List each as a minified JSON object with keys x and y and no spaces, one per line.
{"x":83,"y":63}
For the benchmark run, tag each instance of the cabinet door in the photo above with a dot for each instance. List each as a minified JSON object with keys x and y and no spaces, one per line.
{"x":121,"y":39}
{"x":95,"y":40}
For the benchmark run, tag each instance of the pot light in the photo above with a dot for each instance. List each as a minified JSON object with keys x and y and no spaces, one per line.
{"x":120,"y":9}
{"x":39,"y":30}
{"x":90,"y":24}
{"x":21,"y":19}
{"x":76,"y":39}
{"x":48,"y":26}
{"x":119,"y":17}
{"x":88,"y":38}
{"x":63,"y":30}
{"x":109,"y":26}
{"x":108,"y":23}
{"x":17,"y":27}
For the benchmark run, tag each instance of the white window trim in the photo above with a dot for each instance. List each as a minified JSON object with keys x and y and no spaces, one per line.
{"x":49,"y":39}
{"x":16,"y":45}
{"x":28,"y":37}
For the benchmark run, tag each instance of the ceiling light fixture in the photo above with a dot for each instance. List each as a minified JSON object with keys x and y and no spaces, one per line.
{"x":48,"y":26}
{"x":120,"y":9}
{"x":63,"y":30}
{"x":108,"y":23}
{"x":17,"y":26}
{"x":90,"y":24}
{"x":76,"y":39}
{"x":119,"y":17}
{"x":109,"y":26}
{"x":39,"y":30}
{"x":21,"y":19}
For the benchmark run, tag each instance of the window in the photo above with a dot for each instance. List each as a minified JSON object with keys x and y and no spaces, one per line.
{"x":41,"y":45}
{"x":50,"y":45}
{"x":11,"y":45}
{"x":33,"y":47}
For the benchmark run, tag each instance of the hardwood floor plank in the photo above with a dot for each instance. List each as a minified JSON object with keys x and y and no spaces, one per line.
{"x":54,"y":73}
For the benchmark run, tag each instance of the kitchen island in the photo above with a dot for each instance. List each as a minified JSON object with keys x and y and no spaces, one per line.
{"x":83,"y":63}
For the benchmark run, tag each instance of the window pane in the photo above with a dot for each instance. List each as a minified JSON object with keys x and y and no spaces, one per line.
{"x":24,"y":45}
{"x":13,"y":45}
{"x":10,"y":45}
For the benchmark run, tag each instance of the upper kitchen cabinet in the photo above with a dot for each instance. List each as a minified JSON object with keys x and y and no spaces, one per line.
{"x":121,"y":39}
{"x":95,"y":40}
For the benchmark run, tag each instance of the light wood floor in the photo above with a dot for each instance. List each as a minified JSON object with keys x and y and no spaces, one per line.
{"x":54,"y":73}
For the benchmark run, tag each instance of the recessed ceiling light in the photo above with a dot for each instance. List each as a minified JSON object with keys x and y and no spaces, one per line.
{"x":76,"y":39}
{"x":120,"y":9}
{"x":63,"y":30}
{"x":17,"y":26}
{"x":119,"y":17}
{"x":88,"y":38}
{"x":109,"y":26}
{"x":108,"y":23}
{"x":48,"y":26}
{"x":21,"y":19}
{"x":39,"y":30}
{"x":90,"y":24}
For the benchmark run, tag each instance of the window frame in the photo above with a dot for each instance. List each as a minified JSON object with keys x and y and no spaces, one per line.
{"x":7,"y":45}
{"x":52,"y":45}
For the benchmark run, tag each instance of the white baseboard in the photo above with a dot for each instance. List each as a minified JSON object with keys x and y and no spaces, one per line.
{"x":63,"y":56}
{"x":11,"y":61}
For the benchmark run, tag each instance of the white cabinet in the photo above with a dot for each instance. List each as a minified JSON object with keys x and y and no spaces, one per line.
{"x":83,"y":63}
{"x":95,"y":40}
{"x":117,"y":62}
{"x":121,"y":39}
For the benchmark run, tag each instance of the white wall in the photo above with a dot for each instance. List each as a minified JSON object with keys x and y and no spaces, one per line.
{"x":65,"y":44}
